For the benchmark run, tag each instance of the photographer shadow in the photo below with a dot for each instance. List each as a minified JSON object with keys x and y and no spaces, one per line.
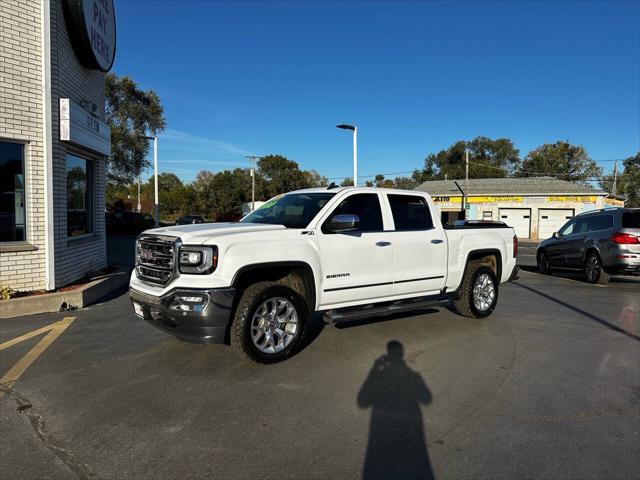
{"x":397,"y":446}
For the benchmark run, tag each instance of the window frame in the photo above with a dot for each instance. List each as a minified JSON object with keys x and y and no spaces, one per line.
{"x":424,"y":202}
{"x":89,"y":195}
{"x":338,"y":201}
{"x":8,"y":245}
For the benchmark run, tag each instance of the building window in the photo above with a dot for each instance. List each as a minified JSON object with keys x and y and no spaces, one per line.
{"x":79,"y":196}
{"x":12,"y":208}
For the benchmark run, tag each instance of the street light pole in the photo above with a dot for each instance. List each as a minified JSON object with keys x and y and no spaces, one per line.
{"x":253,"y":159}
{"x":155,"y":174}
{"x":354,"y":129}
{"x":155,"y":177}
{"x":139,"y":206}
{"x":466,"y":181}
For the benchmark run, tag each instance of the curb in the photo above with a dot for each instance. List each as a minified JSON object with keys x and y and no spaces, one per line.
{"x":61,"y":301}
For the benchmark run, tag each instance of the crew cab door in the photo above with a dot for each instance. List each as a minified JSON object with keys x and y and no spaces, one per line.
{"x":419,"y":248}
{"x":356,"y":265}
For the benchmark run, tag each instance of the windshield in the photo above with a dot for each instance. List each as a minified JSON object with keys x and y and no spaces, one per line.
{"x":294,"y":210}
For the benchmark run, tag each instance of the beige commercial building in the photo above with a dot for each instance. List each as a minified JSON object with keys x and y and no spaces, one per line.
{"x":534,"y":207}
{"x":54,"y":142}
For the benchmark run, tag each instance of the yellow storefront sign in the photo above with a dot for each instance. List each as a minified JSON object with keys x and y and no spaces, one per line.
{"x":573,"y":198}
{"x":477,"y":199}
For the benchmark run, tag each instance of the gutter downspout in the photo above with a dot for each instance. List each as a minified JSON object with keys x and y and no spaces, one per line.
{"x":47,"y":148}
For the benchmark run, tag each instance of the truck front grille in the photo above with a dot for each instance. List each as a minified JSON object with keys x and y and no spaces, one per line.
{"x":156,"y":258}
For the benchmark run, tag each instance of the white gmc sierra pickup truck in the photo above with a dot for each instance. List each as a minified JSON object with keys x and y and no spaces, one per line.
{"x":346,"y":251}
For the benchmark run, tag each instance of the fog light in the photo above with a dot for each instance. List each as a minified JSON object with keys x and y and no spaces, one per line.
{"x":191,"y":299}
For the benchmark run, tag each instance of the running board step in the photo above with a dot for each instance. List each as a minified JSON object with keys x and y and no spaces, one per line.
{"x":355,"y":313}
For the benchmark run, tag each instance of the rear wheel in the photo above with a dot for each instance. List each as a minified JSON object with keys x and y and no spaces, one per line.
{"x":268,"y":324}
{"x":593,"y":269}
{"x":543,"y":263}
{"x":478,"y":293}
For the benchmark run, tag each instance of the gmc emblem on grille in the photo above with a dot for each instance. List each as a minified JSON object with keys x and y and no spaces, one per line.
{"x":147,"y":254}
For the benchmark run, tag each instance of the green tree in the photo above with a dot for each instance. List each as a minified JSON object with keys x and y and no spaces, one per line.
{"x":561,"y":160}
{"x":628,"y":182}
{"x":488,"y":158}
{"x":170,"y":193}
{"x":347,"y":182}
{"x":132,"y":114}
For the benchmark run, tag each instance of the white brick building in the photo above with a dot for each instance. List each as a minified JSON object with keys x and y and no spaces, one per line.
{"x":52,"y":167}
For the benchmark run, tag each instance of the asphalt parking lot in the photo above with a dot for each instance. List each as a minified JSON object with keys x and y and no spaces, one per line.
{"x":548,"y":387}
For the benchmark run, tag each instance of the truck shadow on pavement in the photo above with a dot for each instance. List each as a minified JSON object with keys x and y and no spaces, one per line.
{"x":397,"y":446}
{"x":584,"y":313}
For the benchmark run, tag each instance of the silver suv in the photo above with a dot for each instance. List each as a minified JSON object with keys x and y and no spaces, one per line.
{"x":601,"y":243}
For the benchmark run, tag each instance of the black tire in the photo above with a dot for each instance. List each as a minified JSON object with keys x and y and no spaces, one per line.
{"x":252,"y":298}
{"x":543,"y":263}
{"x":593,"y":271}
{"x":463,"y":300}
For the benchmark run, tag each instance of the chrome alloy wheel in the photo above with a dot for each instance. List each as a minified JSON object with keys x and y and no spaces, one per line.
{"x":592,"y":268}
{"x":484,"y":292}
{"x":274,"y":325}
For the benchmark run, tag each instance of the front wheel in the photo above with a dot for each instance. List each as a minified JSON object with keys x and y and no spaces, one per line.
{"x":269,"y":322}
{"x":478,"y":293}
{"x":543,"y":264}
{"x":593,"y":270}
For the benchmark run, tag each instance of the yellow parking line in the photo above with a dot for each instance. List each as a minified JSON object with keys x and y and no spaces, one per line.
{"x":55,"y":330}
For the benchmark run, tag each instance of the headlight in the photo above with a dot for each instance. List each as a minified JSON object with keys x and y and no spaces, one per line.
{"x":199,"y":260}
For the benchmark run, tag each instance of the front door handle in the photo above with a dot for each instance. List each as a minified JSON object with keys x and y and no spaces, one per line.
{"x":383,"y":244}
{"x":437,"y":240}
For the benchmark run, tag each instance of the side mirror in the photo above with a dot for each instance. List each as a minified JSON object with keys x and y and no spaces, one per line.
{"x":343,"y":223}
{"x":556,"y":234}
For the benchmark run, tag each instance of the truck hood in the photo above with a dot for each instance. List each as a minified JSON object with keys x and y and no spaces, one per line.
{"x":202,"y":232}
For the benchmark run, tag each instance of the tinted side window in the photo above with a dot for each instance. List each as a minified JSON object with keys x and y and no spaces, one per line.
{"x":366,"y":206}
{"x":410,"y":213}
{"x":602,"y":222}
{"x":582,"y":225}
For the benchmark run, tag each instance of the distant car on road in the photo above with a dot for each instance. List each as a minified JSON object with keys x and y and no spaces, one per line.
{"x":601,"y":243}
{"x":189,"y":219}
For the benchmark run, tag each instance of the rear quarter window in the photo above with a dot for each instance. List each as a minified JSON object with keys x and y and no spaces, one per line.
{"x":631,"y":220}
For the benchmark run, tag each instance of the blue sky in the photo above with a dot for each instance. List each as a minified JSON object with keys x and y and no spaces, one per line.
{"x":239,"y":78}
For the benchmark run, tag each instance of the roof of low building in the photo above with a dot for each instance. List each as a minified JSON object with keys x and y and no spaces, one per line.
{"x":508,"y":186}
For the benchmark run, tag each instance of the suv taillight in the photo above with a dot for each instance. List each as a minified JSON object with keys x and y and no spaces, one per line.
{"x":515,"y":246}
{"x":625,"y":239}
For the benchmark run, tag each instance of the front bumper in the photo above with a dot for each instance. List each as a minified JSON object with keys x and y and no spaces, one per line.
{"x":202,"y":321}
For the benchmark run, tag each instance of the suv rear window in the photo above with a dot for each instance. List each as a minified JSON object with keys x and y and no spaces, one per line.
{"x":631,"y":220}
{"x":410,"y":213}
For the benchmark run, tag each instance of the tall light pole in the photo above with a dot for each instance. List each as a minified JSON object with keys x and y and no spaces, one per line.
{"x":155,"y":176}
{"x":466,"y":181}
{"x":253,"y":159}
{"x":354,"y":129}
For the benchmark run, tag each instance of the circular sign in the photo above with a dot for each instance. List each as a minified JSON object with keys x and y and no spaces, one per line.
{"x":92,"y":29}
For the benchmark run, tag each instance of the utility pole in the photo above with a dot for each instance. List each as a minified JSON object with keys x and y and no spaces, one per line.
{"x":252,"y":159}
{"x":139,"y":206}
{"x":615,"y":177}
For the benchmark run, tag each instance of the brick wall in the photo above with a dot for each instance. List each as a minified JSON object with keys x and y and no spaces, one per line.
{"x":21,"y":105}
{"x":21,"y":112}
{"x":74,"y":257}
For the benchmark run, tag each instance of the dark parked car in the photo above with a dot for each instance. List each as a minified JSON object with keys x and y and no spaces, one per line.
{"x":601,"y":243}
{"x":128,"y":222}
{"x":187,"y":219}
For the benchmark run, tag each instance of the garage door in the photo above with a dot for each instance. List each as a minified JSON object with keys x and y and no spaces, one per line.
{"x":519,"y":219}
{"x":551,"y":219}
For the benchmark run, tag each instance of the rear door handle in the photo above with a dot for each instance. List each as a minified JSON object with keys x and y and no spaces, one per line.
{"x":437,"y":240}
{"x":383,"y":244}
